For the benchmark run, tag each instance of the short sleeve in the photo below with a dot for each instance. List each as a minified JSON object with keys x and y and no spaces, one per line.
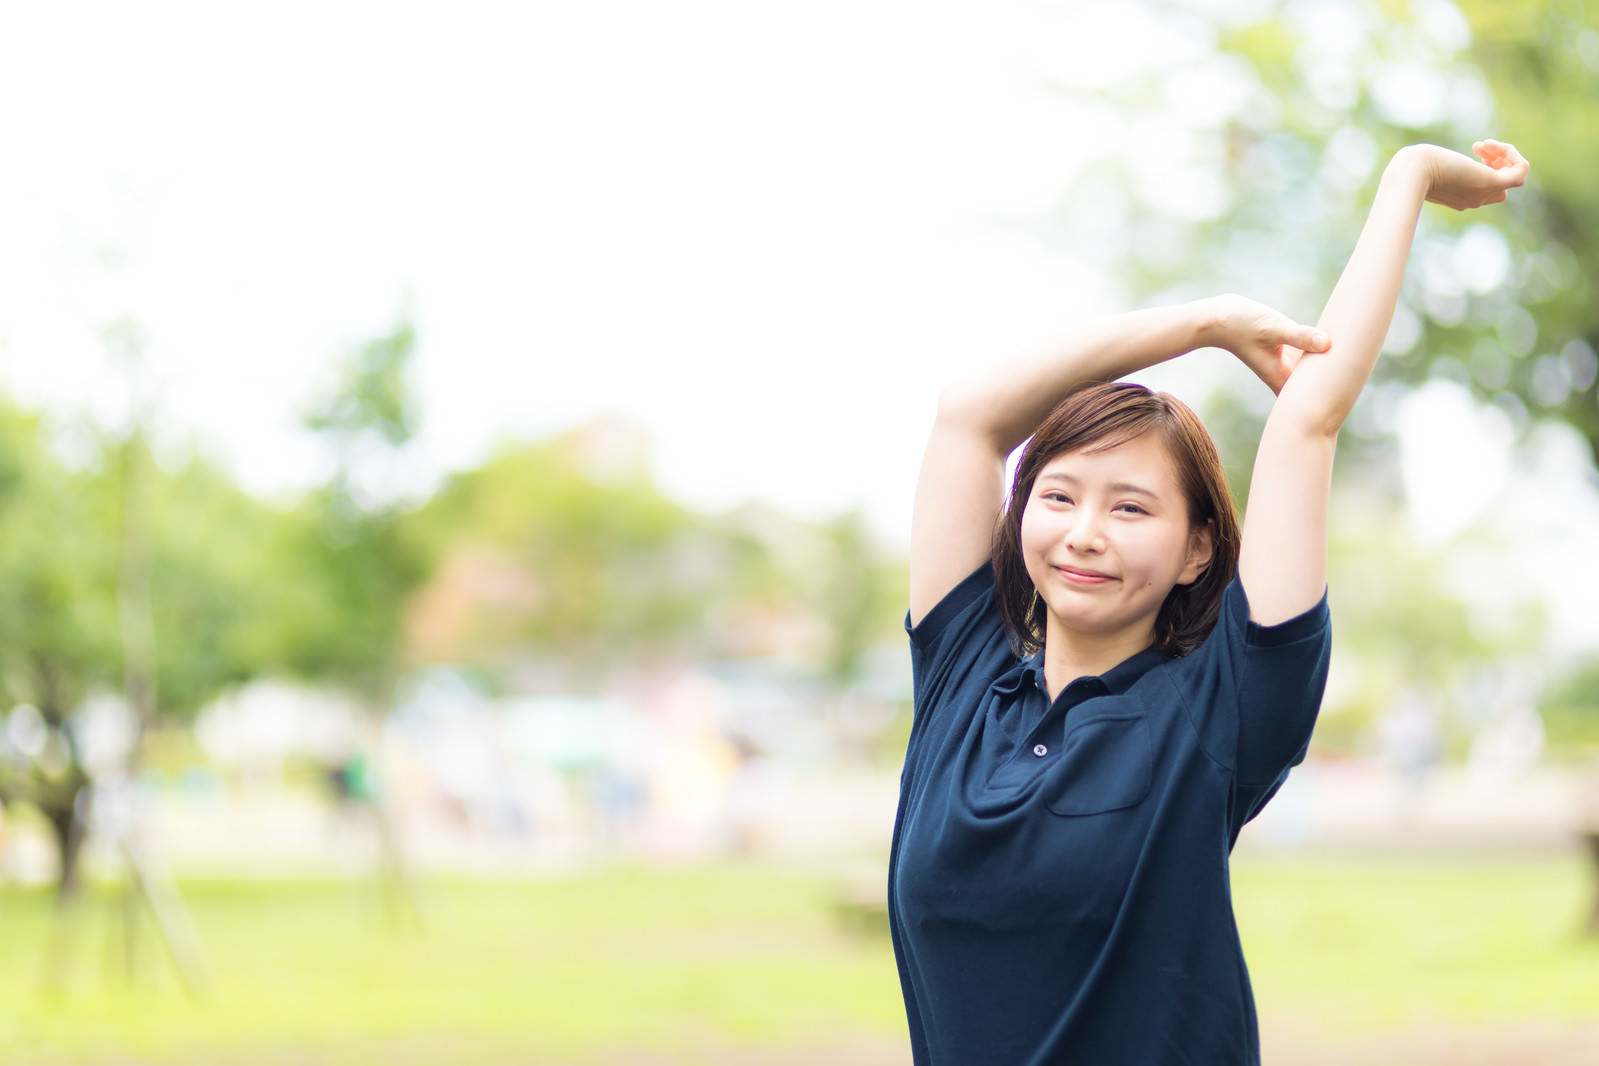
{"x":1253,"y":691}
{"x":962,"y":631}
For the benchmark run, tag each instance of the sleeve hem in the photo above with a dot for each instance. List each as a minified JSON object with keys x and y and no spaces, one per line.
{"x":1305,"y":624}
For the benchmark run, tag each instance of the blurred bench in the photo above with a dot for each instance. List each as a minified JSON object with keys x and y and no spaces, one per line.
{"x":861,"y":907}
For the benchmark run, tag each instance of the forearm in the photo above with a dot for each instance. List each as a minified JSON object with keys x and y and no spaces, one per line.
{"x":1004,"y":404}
{"x":1324,"y":386}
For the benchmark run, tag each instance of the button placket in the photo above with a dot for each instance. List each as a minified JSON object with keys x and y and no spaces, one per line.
{"x":1076,"y":693}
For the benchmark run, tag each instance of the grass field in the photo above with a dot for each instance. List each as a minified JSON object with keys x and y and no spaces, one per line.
{"x":749,"y":964}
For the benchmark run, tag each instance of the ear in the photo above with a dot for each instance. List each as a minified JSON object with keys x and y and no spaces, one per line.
{"x":1201,"y":546}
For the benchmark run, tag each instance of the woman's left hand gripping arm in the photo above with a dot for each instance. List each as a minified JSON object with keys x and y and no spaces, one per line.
{"x":1283,"y":563}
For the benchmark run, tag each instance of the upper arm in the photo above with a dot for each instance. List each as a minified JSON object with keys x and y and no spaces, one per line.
{"x":1283,"y":559}
{"x":962,"y":483}
{"x":958,"y":496}
{"x":1283,"y":563}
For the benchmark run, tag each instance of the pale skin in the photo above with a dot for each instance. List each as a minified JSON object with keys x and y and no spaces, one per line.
{"x":1105,"y":535}
{"x":1317,"y":373}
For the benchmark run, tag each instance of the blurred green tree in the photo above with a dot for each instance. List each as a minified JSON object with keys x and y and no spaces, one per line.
{"x":564,"y":556}
{"x":861,"y":596}
{"x":219,"y":559}
{"x":591,"y":567}
{"x":1570,"y":706}
{"x":359,"y":560}
{"x":58,"y":627}
{"x":598,"y":570}
{"x":1408,"y":625}
{"x":203,"y":556}
{"x":1248,"y":163}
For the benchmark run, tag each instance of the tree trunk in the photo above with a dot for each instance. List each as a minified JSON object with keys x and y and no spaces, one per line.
{"x":67,"y":823}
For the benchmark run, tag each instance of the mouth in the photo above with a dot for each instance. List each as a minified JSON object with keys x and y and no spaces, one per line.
{"x":1077,"y":575}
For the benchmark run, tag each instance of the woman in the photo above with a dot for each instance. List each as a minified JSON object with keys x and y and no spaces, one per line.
{"x":1109,"y":679}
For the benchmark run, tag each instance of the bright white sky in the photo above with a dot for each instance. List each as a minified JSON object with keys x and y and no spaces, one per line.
{"x":769,"y":232}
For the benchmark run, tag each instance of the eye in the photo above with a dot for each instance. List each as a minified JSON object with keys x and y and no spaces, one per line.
{"x":1130,"y":508}
{"x":1055,"y":496}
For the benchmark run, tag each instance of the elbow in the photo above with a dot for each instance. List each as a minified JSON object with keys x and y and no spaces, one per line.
{"x":1323,"y":426}
{"x":1310,"y":417}
{"x":964,"y":410}
{"x":1326,"y":418}
{"x":1316,"y":404}
{"x":960,"y":407}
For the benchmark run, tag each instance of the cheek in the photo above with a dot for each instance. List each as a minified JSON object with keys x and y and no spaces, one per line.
{"x":1163,"y":557}
{"x":1035,"y":539}
{"x":1036,"y":534}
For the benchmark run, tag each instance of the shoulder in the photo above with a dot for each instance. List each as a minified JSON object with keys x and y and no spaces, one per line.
{"x":961,"y":638}
{"x":1252,"y":691}
{"x":972,"y":599}
{"x":1236,"y":631}
{"x":1240,"y":654}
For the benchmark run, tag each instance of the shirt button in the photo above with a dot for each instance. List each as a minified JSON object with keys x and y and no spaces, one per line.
{"x":1040,"y":750}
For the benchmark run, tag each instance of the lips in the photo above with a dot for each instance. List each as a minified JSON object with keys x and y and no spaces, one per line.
{"x":1077,"y":575}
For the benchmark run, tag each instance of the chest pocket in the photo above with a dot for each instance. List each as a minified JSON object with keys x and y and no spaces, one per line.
{"x":1106,"y":765}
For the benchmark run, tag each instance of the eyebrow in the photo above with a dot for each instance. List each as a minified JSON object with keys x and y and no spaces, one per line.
{"x":1115,"y":487}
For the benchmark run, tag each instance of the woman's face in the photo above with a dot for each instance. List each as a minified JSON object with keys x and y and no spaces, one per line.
{"x":1105,"y":536}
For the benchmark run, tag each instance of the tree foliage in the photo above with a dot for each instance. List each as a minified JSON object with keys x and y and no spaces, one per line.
{"x":157,"y":578}
{"x":601,"y":570}
{"x":63,"y":559}
{"x":1271,"y":134}
{"x":58,"y":635}
{"x":357,"y":562}
{"x":565,"y":552}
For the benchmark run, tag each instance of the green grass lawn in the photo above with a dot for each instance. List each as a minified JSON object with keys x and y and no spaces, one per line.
{"x":695,"y":964}
{"x":570,"y":970}
{"x":1358,"y":946}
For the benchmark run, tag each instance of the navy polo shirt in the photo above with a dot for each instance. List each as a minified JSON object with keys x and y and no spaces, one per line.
{"x":1058,"y":884}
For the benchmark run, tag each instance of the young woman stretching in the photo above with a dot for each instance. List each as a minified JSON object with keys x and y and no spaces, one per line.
{"x":1110,"y":679}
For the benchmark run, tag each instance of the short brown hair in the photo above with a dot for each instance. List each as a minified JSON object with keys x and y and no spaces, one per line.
{"x":1101,"y":417}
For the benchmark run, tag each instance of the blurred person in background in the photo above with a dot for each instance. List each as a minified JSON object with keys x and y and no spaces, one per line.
{"x":1111,"y":677}
{"x":1411,"y":743}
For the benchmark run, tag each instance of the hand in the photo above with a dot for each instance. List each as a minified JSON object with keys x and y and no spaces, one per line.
{"x":1268,"y":341}
{"x":1458,"y":181}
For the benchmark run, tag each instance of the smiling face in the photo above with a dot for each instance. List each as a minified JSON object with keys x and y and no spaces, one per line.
{"x":1088,"y":425}
{"x":1105,"y":536}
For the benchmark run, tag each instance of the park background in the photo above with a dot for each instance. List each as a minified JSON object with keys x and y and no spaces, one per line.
{"x":455,"y":468}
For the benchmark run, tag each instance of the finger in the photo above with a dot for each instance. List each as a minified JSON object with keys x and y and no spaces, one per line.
{"x":1500,"y":155}
{"x":1497,"y":154}
{"x":1512,"y":174}
{"x":1516,"y":162}
{"x":1308,"y":339}
{"x":1278,"y":329}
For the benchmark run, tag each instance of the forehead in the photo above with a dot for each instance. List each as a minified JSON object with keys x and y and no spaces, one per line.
{"x":1144,"y":461}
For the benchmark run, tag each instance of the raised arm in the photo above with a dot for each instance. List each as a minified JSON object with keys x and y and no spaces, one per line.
{"x":1283,"y":564}
{"x":981,"y":421}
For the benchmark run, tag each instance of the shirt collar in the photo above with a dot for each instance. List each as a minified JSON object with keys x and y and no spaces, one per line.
{"x":1117,"y":680}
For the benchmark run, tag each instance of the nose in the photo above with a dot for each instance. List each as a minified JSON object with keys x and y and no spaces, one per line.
{"x":1087,"y":532}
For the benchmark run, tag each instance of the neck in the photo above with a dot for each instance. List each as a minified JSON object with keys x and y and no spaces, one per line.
{"x":1069,"y":655}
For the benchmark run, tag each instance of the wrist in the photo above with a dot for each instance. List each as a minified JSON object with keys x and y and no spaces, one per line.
{"x":1210,"y":318}
{"x":1412,"y":166}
